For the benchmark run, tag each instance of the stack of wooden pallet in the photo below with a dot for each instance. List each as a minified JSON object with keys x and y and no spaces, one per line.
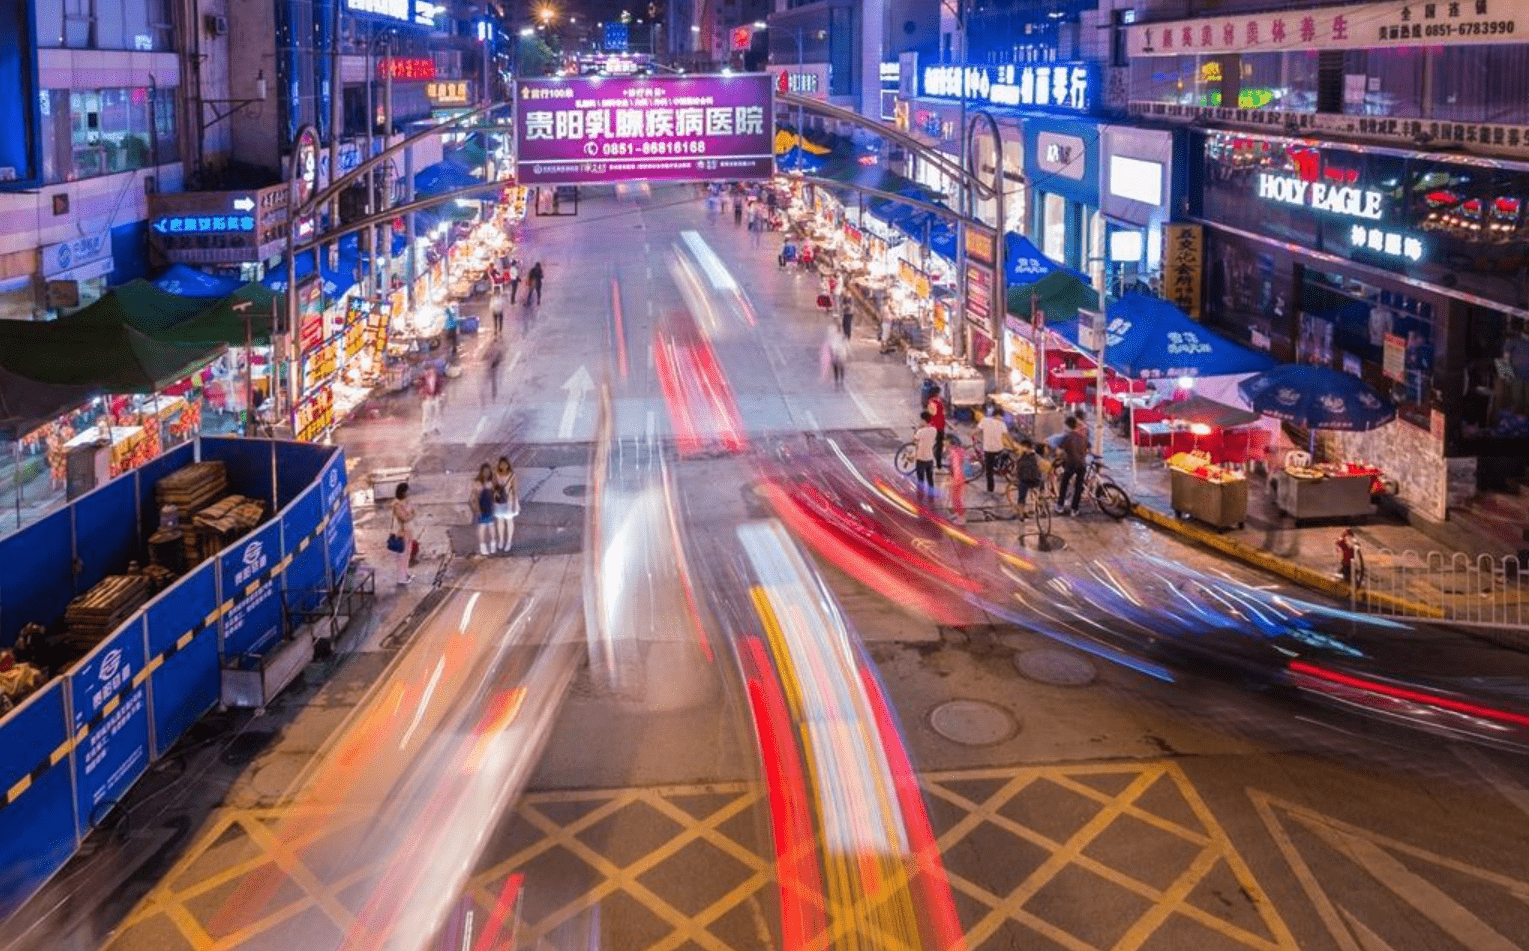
{"x":102,"y":609}
{"x":224,"y":521}
{"x":190,"y":490}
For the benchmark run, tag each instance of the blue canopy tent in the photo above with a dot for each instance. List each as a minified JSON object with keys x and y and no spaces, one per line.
{"x":1149,"y":337}
{"x":440,"y":178}
{"x":336,"y":282}
{"x":185,"y":281}
{"x":1024,"y":263}
{"x":350,"y":246}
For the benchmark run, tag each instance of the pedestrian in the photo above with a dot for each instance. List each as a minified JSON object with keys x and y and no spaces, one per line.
{"x":992,"y":433}
{"x":1074,"y":449}
{"x":534,"y":282}
{"x":770,"y":199}
{"x":756,"y":229}
{"x":737,"y":209}
{"x":481,"y":501}
{"x":514,"y":280}
{"x":401,"y":540}
{"x":847,"y":315}
{"x":494,"y":357}
{"x":452,"y":331}
{"x":430,"y":387}
{"x":836,"y":353}
{"x":713,"y":203}
{"x":936,"y":408}
{"x":923,"y":455}
{"x":506,"y":504}
{"x":496,"y":308}
{"x":957,"y":483}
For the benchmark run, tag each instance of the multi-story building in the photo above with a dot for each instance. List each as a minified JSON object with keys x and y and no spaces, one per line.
{"x":836,"y":48}
{"x":91,"y":127}
{"x":1361,"y":174}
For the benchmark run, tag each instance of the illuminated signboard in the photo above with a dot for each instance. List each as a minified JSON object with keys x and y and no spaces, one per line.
{"x":592,"y":129}
{"x":219,"y":227}
{"x":314,"y":414}
{"x":1065,"y":87}
{"x":449,"y":92}
{"x":1321,"y":196}
{"x":1392,"y":244}
{"x":392,"y":9}
{"x":413,"y":67}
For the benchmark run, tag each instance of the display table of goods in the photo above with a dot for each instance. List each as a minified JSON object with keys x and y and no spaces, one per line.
{"x":1210,"y":493}
{"x":1325,"y":490}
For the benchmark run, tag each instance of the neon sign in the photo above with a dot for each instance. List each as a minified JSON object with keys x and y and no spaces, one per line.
{"x":1055,"y":85}
{"x":1389,"y":243}
{"x":1320,"y":196}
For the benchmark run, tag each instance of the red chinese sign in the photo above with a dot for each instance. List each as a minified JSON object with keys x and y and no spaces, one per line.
{"x":415,"y":67}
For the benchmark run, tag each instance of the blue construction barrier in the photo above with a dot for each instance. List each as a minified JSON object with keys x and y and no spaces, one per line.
{"x":72,"y":750}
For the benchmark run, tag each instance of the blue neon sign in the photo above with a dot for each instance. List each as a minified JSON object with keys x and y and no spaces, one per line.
{"x":203,"y":224}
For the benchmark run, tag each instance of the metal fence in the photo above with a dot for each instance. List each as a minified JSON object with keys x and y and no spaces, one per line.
{"x":1450,"y":587}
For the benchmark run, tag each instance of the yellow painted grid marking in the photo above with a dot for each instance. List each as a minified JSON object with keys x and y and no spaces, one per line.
{"x":1210,"y":840}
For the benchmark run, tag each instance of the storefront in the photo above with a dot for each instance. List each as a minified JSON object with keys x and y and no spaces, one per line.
{"x":1141,"y":185}
{"x":1408,"y":269}
{"x":1062,"y":166}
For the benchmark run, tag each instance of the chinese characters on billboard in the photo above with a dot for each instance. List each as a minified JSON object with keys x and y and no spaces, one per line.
{"x":594,"y":129}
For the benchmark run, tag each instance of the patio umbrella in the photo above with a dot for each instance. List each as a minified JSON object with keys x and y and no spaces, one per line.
{"x":1201,"y":409}
{"x":1317,"y":398}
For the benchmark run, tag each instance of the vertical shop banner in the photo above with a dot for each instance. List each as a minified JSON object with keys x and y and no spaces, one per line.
{"x":111,"y":721}
{"x":1393,"y":356}
{"x":1183,"y":254}
{"x":247,"y":573}
{"x":310,"y":314}
{"x":588,"y":130}
{"x":981,"y":244}
{"x":979,"y":295}
{"x":314,"y":414}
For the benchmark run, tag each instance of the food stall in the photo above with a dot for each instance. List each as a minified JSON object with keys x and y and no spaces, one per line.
{"x":1325,"y":490}
{"x":1210,"y":493}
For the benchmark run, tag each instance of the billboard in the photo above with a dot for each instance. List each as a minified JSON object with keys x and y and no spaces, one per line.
{"x":595,"y":129}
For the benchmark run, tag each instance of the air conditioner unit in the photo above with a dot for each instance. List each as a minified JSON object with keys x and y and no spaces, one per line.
{"x":217,"y":24}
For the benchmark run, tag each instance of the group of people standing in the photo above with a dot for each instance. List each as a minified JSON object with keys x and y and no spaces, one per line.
{"x":494,"y":501}
{"x":507,"y":276}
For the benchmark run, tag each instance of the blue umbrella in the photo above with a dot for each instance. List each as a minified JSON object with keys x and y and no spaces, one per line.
{"x":1317,"y":398}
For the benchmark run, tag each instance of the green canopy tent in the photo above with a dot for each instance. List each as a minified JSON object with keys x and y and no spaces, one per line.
{"x":247,"y":314}
{"x":1059,"y":295}
{"x":103,"y":358}
{"x":137,"y":304}
{"x":27,"y":404}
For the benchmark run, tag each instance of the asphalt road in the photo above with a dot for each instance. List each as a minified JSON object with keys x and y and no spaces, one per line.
{"x":1077,"y":805}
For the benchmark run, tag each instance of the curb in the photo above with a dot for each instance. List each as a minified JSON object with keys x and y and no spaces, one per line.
{"x":1258,"y":558}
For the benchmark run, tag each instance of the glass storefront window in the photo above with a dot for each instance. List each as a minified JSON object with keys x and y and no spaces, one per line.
{"x":1496,"y":388}
{"x":1054,"y":227}
{"x":91,"y":132}
{"x":1384,"y":82}
{"x":1171,"y":79}
{"x":1481,"y":83}
{"x":141,"y":25}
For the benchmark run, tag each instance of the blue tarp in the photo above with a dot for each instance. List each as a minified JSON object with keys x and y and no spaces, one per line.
{"x":186,"y":281}
{"x":1149,"y":337}
{"x":350,"y":246}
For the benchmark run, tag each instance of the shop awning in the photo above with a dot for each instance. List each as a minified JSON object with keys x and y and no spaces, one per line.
{"x":102,"y":358}
{"x":1149,"y":337}
{"x":186,"y":281}
{"x":443,"y":177}
{"x":225,"y":321}
{"x":136,"y":304}
{"x":1203,"y":409}
{"x":1059,"y":295}
{"x":350,"y":247}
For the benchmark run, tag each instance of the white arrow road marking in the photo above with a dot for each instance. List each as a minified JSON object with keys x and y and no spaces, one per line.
{"x":578,"y":385}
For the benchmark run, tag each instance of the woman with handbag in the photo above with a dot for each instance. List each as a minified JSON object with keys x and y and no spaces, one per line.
{"x":402,"y":540}
{"x":481,"y":501}
{"x":506,"y":504}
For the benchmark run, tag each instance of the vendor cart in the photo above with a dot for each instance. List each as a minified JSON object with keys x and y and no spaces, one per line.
{"x":1329,"y":496}
{"x":1223,"y":504}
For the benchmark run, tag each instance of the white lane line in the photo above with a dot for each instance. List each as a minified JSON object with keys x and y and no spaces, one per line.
{"x":812,"y":420}
{"x":419,"y":711}
{"x":652,"y":427}
{"x":467,"y":612}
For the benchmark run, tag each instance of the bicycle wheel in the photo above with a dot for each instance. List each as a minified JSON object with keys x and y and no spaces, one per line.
{"x":1112,"y":500}
{"x":902,"y":459}
{"x":1011,"y":494}
{"x":1042,"y":517}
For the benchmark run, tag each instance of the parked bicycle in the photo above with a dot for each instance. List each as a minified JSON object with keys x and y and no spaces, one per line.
{"x":1098,"y":488}
{"x":903,"y":458}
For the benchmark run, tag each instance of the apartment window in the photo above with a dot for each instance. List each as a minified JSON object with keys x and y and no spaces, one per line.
{"x":92,"y":132}
{"x":105,"y":25}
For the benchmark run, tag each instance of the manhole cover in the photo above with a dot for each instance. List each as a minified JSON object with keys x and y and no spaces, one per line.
{"x":1035,"y":541}
{"x":575,"y":491}
{"x":973,"y":722}
{"x":1058,"y":668}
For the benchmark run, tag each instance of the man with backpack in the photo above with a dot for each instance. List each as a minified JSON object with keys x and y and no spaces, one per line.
{"x":1074,"y":448}
{"x":1027,"y":470}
